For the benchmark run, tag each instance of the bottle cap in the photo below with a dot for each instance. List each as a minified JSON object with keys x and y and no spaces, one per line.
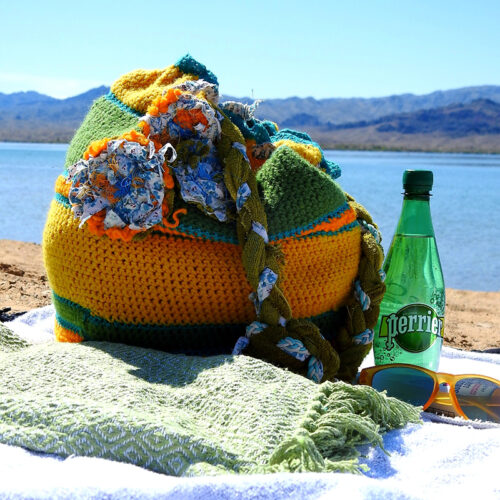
{"x":417,"y":181}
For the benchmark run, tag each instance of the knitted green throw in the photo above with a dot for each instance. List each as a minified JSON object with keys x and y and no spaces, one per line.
{"x":184,"y":415}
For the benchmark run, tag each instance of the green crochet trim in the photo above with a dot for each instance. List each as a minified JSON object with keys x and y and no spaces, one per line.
{"x":105,"y":119}
{"x":202,"y":339}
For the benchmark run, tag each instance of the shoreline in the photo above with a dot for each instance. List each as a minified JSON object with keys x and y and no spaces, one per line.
{"x":373,"y":148}
{"x":472,"y":318}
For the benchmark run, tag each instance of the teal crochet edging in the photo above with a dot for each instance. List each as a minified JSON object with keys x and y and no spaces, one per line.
{"x":336,"y":214}
{"x":347,"y":227}
{"x":188,"y":64}
{"x":67,"y":324}
{"x":114,"y":100}
{"x":224,"y":238}
{"x":186,"y":229}
{"x":252,"y":129}
{"x":87,"y":317}
{"x":204,"y":235}
{"x":62,"y":200}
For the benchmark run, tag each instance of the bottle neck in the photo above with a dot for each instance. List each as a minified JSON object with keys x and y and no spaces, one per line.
{"x":415,"y":216}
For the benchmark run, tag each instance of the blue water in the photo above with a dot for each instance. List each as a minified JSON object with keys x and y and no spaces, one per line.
{"x":27,"y":176}
{"x":465,"y":206}
{"x":465,"y":203}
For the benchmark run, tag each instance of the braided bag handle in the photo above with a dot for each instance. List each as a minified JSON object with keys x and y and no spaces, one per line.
{"x":354,"y":340}
{"x":313,"y":355}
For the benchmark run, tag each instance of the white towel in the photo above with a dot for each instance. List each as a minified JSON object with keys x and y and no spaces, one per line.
{"x":442,"y":458}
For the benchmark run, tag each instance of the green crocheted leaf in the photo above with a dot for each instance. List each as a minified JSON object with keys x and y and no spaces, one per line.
{"x":295,"y":192}
{"x":106,"y":118}
{"x":184,"y":415}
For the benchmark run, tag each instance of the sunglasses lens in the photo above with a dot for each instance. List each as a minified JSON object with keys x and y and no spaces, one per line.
{"x":479,"y":398}
{"x":407,"y":384}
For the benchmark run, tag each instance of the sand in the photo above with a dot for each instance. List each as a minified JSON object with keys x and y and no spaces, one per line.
{"x":472,"y":319}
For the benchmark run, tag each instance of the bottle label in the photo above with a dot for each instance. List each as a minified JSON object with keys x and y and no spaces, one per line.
{"x":477,"y":387}
{"x":414,"y":328}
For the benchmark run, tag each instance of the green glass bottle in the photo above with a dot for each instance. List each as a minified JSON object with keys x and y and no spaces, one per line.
{"x":411,"y":321}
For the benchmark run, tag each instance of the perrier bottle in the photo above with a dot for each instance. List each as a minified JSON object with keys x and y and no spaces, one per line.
{"x":411,"y":321}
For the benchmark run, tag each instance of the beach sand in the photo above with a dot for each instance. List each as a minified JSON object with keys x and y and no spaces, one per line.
{"x":472,"y":319}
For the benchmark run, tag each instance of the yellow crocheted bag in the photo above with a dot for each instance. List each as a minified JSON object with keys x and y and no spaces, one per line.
{"x":190,"y":226}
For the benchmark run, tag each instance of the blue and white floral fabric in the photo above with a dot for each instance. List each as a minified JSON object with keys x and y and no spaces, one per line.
{"x":267,"y":280}
{"x":242,"y":195}
{"x":294,"y":347}
{"x":194,"y":87}
{"x":204,"y":185}
{"x":126,"y":180}
{"x":166,"y":123}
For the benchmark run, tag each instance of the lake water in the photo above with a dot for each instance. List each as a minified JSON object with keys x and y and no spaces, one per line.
{"x":465,"y":202}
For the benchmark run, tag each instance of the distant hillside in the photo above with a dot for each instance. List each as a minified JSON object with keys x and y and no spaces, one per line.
{"x":472,"y":127}
{"x":462,"y":119}
{"x":295,"y":112}
{"x":34,"y":117}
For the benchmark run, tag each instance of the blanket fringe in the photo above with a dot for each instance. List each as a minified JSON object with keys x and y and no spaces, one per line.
{"x":342,"y":417}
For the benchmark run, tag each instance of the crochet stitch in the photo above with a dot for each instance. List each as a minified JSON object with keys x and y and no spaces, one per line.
{"x":180,"y":222}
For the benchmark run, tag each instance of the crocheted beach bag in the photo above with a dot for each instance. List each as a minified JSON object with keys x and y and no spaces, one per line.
{"x":185,"y":224}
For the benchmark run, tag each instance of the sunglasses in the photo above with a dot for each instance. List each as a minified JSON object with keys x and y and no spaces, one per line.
{"x":474,"y":397}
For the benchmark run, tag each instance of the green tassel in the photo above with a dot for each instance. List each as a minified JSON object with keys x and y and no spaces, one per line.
{"x":343,"y":417}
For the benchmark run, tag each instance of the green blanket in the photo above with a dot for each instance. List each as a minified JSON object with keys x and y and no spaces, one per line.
{"x":184,"y":415}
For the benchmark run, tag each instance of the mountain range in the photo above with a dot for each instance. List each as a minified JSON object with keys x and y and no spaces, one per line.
{"x":34,"y":117}
{"x":465,"y":119}
{"x":471,"y":127}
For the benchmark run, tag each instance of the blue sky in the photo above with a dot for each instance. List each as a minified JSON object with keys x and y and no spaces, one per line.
{"x":273,"y":48}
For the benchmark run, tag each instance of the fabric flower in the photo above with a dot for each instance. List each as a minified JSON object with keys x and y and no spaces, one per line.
{"x":125,"y":180}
